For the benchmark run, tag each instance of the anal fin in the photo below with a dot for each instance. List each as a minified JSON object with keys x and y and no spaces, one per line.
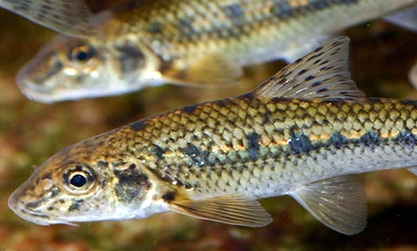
{"x":229,"y":209}
{"x":338,"y":203}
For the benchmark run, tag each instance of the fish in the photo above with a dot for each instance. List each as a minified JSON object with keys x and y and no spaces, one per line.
{"x":199,"y":43}
{"x":304,"y":132}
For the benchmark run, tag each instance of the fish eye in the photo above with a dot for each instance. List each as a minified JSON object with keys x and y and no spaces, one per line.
{"x":78,"y":178}
{"x":81,"y":53}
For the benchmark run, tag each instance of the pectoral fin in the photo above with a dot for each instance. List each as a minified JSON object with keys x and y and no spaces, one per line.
{"x":338,"y":203}
{"x":229,"y":209}
{"x":211,"y":70}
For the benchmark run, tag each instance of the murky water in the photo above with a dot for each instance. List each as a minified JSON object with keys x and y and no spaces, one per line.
{"x":31,"y":132}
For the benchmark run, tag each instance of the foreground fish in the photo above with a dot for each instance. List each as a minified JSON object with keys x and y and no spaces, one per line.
{"x":196,"y":42}
{"x":300,"y":133}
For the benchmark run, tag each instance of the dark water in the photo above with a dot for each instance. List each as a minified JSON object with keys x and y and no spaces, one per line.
{"x":31,"y":132}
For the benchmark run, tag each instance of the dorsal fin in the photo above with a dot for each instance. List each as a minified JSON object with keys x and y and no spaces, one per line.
{"x":406,"y":18}
{"x":322,"y":73}
{"x":71,"y":18}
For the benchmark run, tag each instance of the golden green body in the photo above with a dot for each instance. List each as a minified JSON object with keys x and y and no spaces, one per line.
{"x":247,"y":145}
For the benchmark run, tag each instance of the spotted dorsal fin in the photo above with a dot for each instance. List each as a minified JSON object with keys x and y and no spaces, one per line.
{"x":71,"y":18}
{"x":322,"y":73}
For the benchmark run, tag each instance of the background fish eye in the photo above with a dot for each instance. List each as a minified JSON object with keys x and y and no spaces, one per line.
{"x":82,"y":53}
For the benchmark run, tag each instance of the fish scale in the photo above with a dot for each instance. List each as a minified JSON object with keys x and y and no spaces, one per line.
{"x":317,"y":121}
{"x":300,"y":133}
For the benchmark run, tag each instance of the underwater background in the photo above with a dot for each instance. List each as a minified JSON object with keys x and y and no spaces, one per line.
{"x":30,"y":132}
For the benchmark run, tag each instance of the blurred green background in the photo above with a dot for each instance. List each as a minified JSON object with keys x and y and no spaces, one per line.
{"x":381,"y":55}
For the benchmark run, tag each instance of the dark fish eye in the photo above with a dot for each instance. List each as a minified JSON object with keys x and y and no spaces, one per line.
{"x":78,"y":178}
{"x":81,"y":53}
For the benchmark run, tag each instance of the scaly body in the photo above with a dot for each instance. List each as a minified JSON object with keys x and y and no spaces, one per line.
{"x":299,"y":133}
{"x":152,"y":42}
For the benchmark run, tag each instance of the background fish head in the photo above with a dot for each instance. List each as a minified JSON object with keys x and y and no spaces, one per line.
{"x":73,"y":68}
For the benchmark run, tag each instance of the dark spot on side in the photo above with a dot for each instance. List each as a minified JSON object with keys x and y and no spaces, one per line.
{"x":284,"y":10}
{"x":252,"y":146}
{"x":192,"y":150}
{"x":138,"y":125}
{"x":158,"y":152}
{"x":131,"y":184}
{"x":266,"y":118}
{"x":198,"y":156}
{"x":406,"y":138}
{"x":234,"y":12}
{"x":168,"y":196}
{"x":185,"y":24}
{"x":338,"y":140}
{"x":300,"y":143}
{"x":155,"y":27}
{"x":130,"y":57}
{"x":369,"y":139}
{"x":76,"y":204}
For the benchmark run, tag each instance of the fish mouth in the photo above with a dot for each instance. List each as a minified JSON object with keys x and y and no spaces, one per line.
{"x":18,"y":207}
{"x":38,"y":218}
{"x":21,"y":208}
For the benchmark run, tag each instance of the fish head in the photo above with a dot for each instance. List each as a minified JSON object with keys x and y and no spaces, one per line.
{"x":75,"y":68}
{"x":76,"y":186}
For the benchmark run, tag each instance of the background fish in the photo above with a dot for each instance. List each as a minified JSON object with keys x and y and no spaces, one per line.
{"x":201,"y":43}
{"x":299,"y":134}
